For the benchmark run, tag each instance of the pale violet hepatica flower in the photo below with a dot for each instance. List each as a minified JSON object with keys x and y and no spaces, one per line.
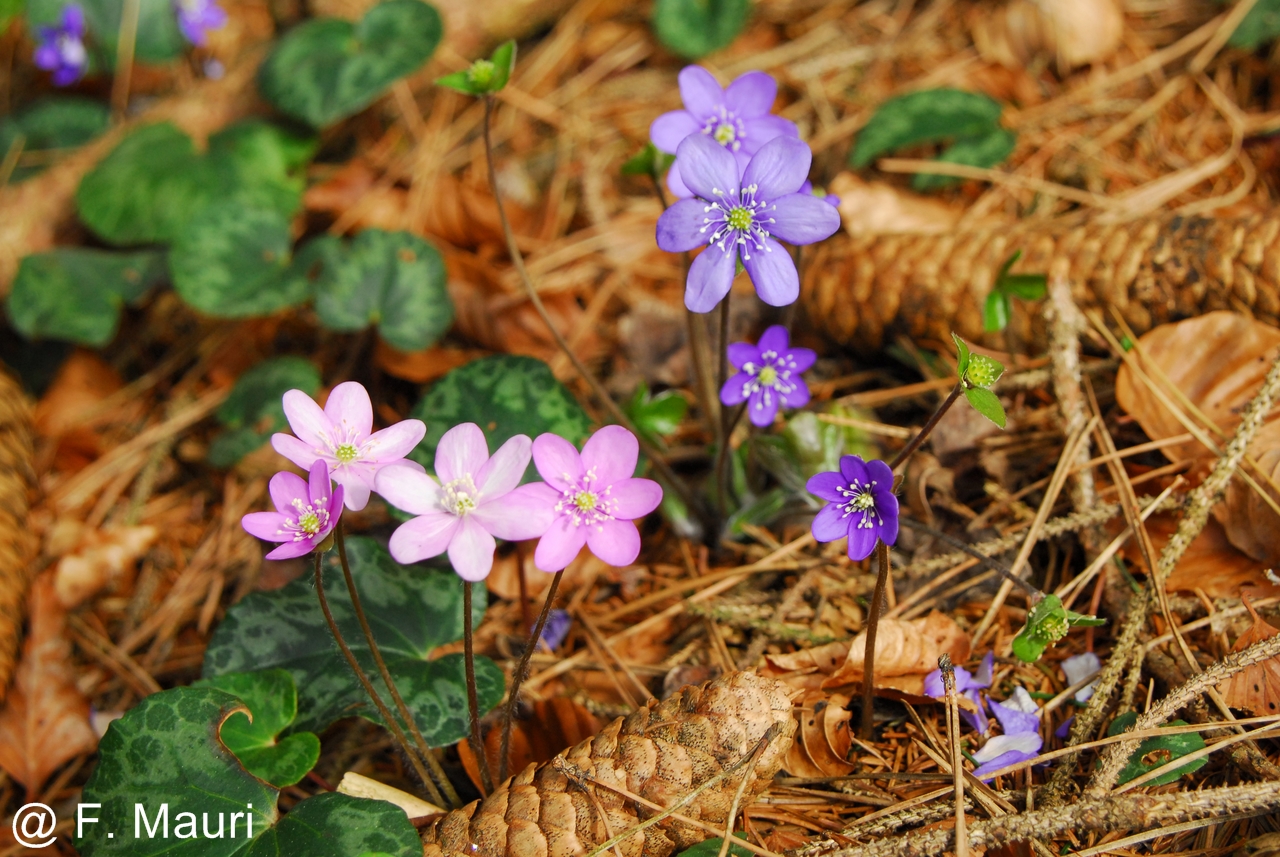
{"x":1021,"y":740}
{"x":743,"y":217}
{"x":476,"y":499}
{"x":197,"y":17}
{"x":342,"y":436}
{"x":768,"y":375}
{"x":737,"y":118}
{"x":556,"y":629}
{"x":61,"y":49}
{"x":969,"y":685}
{"x":1077,"y":668}
{"x":860,"y":504}
{"x":306,"y":512}
{"x":593,"y":497}
{"x":829,"y":198}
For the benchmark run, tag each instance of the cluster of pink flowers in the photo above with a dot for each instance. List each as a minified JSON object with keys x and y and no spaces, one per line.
{"x":589,"y":498}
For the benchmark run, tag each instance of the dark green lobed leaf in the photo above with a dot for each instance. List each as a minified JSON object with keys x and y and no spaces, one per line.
{"x":254,"y":409}
{"x":51,"y":124}
{"x":1156,"y":752}
{"x":695,"y":28}
{"x":925,"y":117}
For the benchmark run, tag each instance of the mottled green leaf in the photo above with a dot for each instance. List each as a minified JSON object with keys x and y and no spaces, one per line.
{"x":1260,"y":25}
{"x":985,"y":151}
{"x":711,"y":848}
{"x":986,"y":403}
{"x":656,"y":416}
{"x":254,"y":409}
{"x":925,"y":117}
{"x":1156,"y":752}
{"x":272,"y":699}
{"x":49,"y":126}
{"x":338,"y":825}
{"x":695,"y":28}
{"x":327,"y":69}
{"x":648,"y":162}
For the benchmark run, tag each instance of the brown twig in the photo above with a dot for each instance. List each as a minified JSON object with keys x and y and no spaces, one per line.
{"x":473,"y":704}
{"x":521,"y":672}
{"x":869,"y":652}
{"x":953,"y":741}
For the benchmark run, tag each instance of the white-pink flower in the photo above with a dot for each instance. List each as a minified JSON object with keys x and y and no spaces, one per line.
{"x":476,"y":499}
{"x":342,"y":436}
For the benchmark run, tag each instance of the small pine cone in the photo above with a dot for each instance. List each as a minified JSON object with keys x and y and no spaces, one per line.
{"x":661,"y":752}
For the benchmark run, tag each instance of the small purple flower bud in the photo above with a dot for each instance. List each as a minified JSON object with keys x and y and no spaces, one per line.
{"x":556,"y":629}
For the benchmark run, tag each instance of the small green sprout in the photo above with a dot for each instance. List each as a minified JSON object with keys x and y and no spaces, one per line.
{"x":977,"y":373}
{"x":999,"y":305}
{"x":484,"y":76}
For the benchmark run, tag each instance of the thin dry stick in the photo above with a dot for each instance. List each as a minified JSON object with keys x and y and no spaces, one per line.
{"x":125,"y":43}
{"x":522,"y":671}
{"x":737,"y":800}
{"x":869,"y":650}
{"x":424,"y":750}
{"x":473,"y":705}
{"x":905,"y":453}
{"x":953,"y":739}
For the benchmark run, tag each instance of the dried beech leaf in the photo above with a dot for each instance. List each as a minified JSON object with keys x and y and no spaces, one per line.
{"x":1211,"y":563}
{"x":870,"y":208}
{"x":103,"y":559}
{"x":1250,"y":522}
{"x":539,"y":733}
{"x":906,"y":651}
{"x":46,"y":721}
{"x":1071,"y":32}
{"x":82,"y":382}
{"x":421,"y":367}
{"x":1255,"y":689}
{"x":812,"y":715}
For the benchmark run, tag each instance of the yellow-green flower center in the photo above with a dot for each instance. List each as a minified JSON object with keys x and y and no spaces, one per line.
{"x":309,"y":522}
{"x":724,"y":134}
{"x":768,"y":376}
{"x":585,"y":501}
{"x":460,"y":496}
{"x":863,"y":501}
{"x":481,"y":73}
{"x":739,"y":218}
{"x":346,"y":453}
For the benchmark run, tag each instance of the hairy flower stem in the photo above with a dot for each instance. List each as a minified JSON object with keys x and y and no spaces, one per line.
{"x":723,"y":427}
{"x":424,"y":750}
{"x":869,"y":652}
{"x":517,"y":259}
{"x":522,"y":671}
{"x":369,"y":689}
{"x":901,"y":458}
{"x":473,"y":704}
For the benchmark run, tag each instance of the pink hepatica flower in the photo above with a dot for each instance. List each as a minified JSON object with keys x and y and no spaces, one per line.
{"x":594,"y":497}
{"x":342,"y":436}
{"x":743,"y":217}
{"x":306,"y":512}
{"x":475,"y":500}
{"x":737,"y":118}
{"x":768,"y":375}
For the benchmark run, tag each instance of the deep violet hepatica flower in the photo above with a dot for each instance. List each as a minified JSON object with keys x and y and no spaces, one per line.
{"x":1021,"y":740}
{"x":306,"y":512}
{"x":476,"y":499}
{"x":61,"y":49}
{"x":737,"y":118}
{"x":744,"y":218}
{"x":860,"y":504}
{"x":768,"y":375}
{"x":342,"y":436}
{"x":593,"y":496}
{"x":967,"y":684}
{"x":197,"y":17}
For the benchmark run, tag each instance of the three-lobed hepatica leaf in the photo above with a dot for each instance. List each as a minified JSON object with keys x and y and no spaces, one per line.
{"x":154,"y":182}
{"x":394,"y":280}
{"x":412,"y":610}
{"x":272,"y":700}
{"x":1157,"y":752}
{"x":51,"y":124}
{"x":254,"y":409}
{"x":75,"y":293}
{"x":163,"y":774}
{"x":328,"y":69}
{"x":695,"y":28}
{"x":505,"y":395}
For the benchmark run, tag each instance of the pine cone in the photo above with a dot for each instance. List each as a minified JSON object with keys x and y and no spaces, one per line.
{"x":16,"y":542}
{"x":661,"y":752}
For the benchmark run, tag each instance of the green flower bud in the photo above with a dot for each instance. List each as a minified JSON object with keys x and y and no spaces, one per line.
{"x":983,"y":371}
{"x":480,"y":75}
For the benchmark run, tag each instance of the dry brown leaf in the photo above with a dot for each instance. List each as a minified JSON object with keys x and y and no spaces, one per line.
{"x":806,"y":669}
{"x":540,"y":732}
{"x":46,"y":721}
{"x":421,"y":367}
{"x":355,"y":185}
{"x":1211,"y":563}
{"x":83,"y":381}
{"x":504,"y":579}
{"x":1255,"y":689}
{"x":871,"y":208}
{"x":906,"y":651}
{"x":104,"y":558}
{"x":823,"y":740}
{"x":1071,"y":32}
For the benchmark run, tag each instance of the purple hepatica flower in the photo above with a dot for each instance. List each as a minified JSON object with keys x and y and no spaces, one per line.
{"x":475,"y":500}
{"x":737,"y":118}
{"x":968,"y":685}
{"x":556,"y":629}
{"x":768,"y":375}
{"x":306,"y":512}
{"x":743,"y":217}
{"x":197,"y":17}
{"x":342,"y":436}
{"x":860,"y":504}
{"x":61,"y":49}
{"x":593,"y":497}
{"x":1077,"y":668}
{"x":1021,"y":740}
{"x":829,"y":198}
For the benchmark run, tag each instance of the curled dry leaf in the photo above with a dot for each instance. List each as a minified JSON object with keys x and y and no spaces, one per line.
{"x":806,"y":669}
{"x":358,"y":785}
{"x":823,"y":740}
{"x":46,"y":720}
{"x":103,"y":559}
{"x":422,"y":367}
{"x":541,"y":731}
{"x":906,"y":651}
{"x":1070,"y":32}
{"x":1255,"y":689}
{"x":870,"y":208}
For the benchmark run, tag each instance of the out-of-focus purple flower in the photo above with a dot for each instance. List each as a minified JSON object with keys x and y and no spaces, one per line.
{"x":593,"y":497}
{"x":768,"y":375}
{"x":306,"y":512}
{"x":829,"y":198}
{"x":342,"y":436}
{"x":1064,"y":729}
{"x":476,"y":499}
{"x":1020,"y":721}
{"x":556,"y":629}
{"x":969,"y":685}
{"x":742,"y":217}
{"x":197,"y":17}
{"x":1080,"y":667}
{"x":61,"y":49}
{"x":860,"y":504}
{"x":737,"y":118}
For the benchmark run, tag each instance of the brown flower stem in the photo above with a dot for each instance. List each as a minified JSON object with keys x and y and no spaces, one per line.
{"x":522,"y":671}
{"x":905,"y":453}
{"x":473,"y":704}
{"x":424,"y":750}
{"x":369,"y":689}
{"x":869,"y":652}
{"x":517,"y":259}
{"x":722,"y":425}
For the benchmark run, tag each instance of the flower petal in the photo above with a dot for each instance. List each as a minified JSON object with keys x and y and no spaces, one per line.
{"x":524,"y":513}
{"x":408,"y":490}
{"x":742,"y":353}
{"x":300,"y":453}
{"x":880,"y":473}
{"x":285,"y":487}
{"x":854,"y":469}
{"x":986,"y":671}
{"x":773,"y":274}
{"x":1013,"y":721}
{"x":312,"y":425}
{"x":349,"y":408}
{"x":611,"y":453}
{"x":734,"y":391}
{"x":504,"y":471}
{"x":774,"y":339}
{"x":827,"y":485}
{"x":763,"y":407}
{"x":862,"y":541}
{"x":803,"y":219}
{"x":683,"y":226}
{"x":471,"y":550}
{"x":73,"y":18}
{"x":779,"y":168}
{"x":751,"y":94}
{"x":393,"y":442}
{"x":635,"y":498}
{"x":797,"y":397}
{"x":292,"y":549}
{"x":887,"y":507}
{"x":710,"y":278}
{"x":708,"y":168}
{"x":558,"y":461}
{"x":423,"y":537}
{"x":669,"y":130}
{"x":559,"y":545}
{"x":462,"y":451}
{"x":357,"y":487}
{"x":319,"y":488}
{"x":675,"y":183}
{"x":265,"y":525}
{"x":699,"y":90}
{"x":761,"y":129}
{"x":830,"y":523}
{"x":802,"y":359}
{"x":615,"y":542}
